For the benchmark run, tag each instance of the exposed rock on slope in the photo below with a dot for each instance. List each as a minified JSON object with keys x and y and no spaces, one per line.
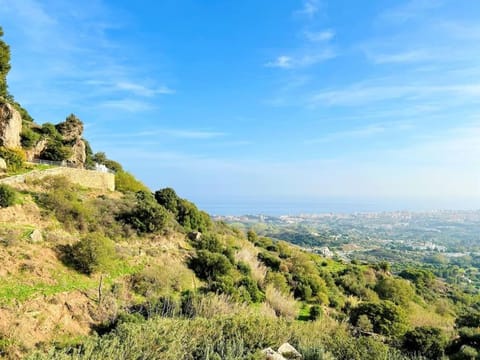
{"x":10,"y":126}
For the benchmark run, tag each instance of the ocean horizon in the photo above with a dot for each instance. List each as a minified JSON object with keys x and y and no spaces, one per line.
{"x":238,"y":207}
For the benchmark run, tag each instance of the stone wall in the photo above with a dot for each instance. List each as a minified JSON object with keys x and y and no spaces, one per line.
{"x":87,"y":178}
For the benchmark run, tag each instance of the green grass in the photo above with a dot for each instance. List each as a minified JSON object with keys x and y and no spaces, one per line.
{"x":19,"y":288}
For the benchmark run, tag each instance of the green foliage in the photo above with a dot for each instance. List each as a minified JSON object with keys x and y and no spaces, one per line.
{"x":386,"y":317}
{"x":89,"y":163}
{"x":126,"y":182}
{"x":29,"y":137}
{"x":252,"y":236}
{"x":270,"y":260}
{"x":168,"y":199}
{"x":101,"y":158}
{"x":49,"y":130}
{"x":209,"y":265}
{"x":147,"y":216}
{"x":4,"y":65}
{"x":56,"y":151}
{"x":426,"y":341}
{"x":63,"y":200}
{"x":15,"y":158}
{"x":7,"y":196}
{"x":420,"y":277}
{"x":251,"y":286}
{"x":468,"y":319}
{"x":93,"y":253}
{"x":396,"y":290}
{"x":315,"y":312}
{"x":191,"y":218}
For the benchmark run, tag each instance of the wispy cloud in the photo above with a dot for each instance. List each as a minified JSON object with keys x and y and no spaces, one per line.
{"x":319,"y":36}
{"x":309,"y":8}
{"x":282,"y":61}
{"x":365,"y":132}
{"x":127,"y":104}
{"x":308,"y":58}
{"x":401,"y":57}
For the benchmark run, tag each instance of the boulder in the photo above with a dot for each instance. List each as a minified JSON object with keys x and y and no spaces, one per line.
{"x":271,"y":354}
{"x":79,"y":154}
{"x":289,"y":352}
{"x":10,"y":126}
{"x":195,"y":235}
{"x":71,"y":129}
{"x":36,"y":236}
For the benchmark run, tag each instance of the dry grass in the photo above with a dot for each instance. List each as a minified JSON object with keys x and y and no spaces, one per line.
{"x":283,"y":305}
{"x":249,"y":257}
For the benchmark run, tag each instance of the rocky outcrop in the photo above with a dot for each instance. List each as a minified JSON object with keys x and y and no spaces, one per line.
{"x":35,"y":152}
{"x":79,"y":154}
{"x":10,"y":126}
{"x":284,"y":352}
{"x":71,"y":129}
{"x":3,"y":165}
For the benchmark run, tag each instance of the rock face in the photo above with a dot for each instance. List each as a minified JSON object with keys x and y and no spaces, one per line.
{"x":3,"y":165}
{"x":284,"y":352}
{"x":71,"y":129}
{"x":10,"y":126}
{"x":79,"y":154}
{"x":36,"y":150}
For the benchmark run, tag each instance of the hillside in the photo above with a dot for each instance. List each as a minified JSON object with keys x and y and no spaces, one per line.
{"x":135,"y":274}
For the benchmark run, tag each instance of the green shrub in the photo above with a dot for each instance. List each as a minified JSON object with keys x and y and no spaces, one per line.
{"x":126,"y":182}
{"x":93,"y":253}
{"x":426,"y":340}
{"x":386,"y":317}
{"x":270,"y":260}
{"x":168,"y":199}
{"x":15,"y":158}
{"x":29,"y":137}
{"x":56,"y":151}
{"x":315,"y":312}
{"x":210,"y":266}
{"x":7,"y":196}
{"x":146,"y":216}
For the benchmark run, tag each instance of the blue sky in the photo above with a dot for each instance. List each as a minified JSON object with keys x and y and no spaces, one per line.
{"x":264,"y":99}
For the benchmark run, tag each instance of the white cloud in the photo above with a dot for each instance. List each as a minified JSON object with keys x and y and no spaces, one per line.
{"x":308,"y":58}
{"x":281,"y":62}
{"x":309,"y":8}
{"x":319,"y":36}
{"x":127,"y":104}
{"x":399,"y":58}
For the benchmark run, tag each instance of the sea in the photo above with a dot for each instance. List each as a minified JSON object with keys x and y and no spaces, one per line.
{"x":276,"y":207}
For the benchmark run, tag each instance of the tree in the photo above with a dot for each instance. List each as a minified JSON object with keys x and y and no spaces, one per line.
{"x":4,"y":66}
{"x":147,"y":216}
{"x":93,"y":253}
{"x":398,"y":291}
{"x":427,"y":341}
{"x":7,"y":196}
{"x":386,"y":317}
{"x":169,"y":199}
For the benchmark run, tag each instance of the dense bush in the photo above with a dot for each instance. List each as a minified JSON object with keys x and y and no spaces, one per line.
{"x":56,"y":151}
{"x":185,"y":212}
{"x":7,"y":196}
{"x":15,"y":158}
{"x":386,"y":317}
{"x":209,"y":265}
{"x":92,"y":253}
{"x":168,"y":199}
{"x":29,"y":137}
{"x":426,"y":341}
{"x":396,"y":290}
{"x":126,"y":182}
{"x":147,"y":216}
{"x":270,"y":260}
